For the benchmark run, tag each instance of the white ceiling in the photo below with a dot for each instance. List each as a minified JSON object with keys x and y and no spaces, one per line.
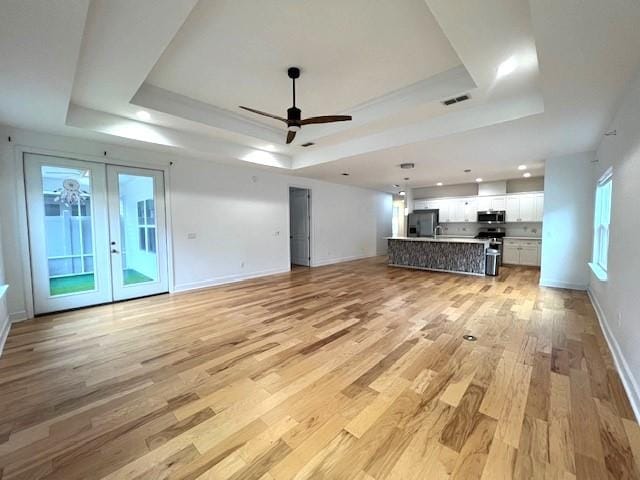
{"x":84,"y":68}
{"x":230,"y":53}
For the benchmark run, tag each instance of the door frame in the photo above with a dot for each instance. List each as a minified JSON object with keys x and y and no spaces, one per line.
{"x":311,"y":230}
{"x":21,"y":195}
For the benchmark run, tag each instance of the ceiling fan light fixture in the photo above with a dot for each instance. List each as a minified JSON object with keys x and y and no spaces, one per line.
{"x":293,"y":128}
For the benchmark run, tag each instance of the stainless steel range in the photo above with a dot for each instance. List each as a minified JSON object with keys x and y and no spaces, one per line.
{"x":495,"y":235}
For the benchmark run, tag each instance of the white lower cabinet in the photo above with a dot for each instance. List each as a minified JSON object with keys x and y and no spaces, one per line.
{"x":521,"y":252}
{"x":510,"y":255}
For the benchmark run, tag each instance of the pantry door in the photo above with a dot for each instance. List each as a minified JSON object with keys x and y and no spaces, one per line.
{"x":68,"y":232}
{"x":138,"y":246}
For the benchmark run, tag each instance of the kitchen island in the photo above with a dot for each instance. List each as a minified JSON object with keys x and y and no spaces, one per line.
{"x":443,"y":254}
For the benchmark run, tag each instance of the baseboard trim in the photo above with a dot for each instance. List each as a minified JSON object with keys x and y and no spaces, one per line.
{"x":331,"y":261}
{"x":628,"y":380}
{"x":19,"y":316}
{"x":566,"y":285}
{"x":4,"y":334}
{"x":212,"y":282}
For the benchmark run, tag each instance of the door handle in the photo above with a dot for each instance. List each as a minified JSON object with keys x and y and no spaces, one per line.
{"x":113,"y":250}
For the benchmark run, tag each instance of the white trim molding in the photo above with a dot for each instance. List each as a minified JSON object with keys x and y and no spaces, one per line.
{"x":4,"y":333}
{"x":225,"y":279}
{"x":557,"y":284}
{"x":5,"y":323}
{"x":626,"y":374}
{"x":331,"y":261}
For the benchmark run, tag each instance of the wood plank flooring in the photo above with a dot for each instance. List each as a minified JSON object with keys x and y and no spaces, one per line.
{"x":353,"y":371}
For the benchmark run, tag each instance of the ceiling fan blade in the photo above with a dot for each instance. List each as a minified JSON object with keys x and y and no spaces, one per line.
{"x":264,"y":113}
{"x":326,"y":119}
{"x":290,"y":136}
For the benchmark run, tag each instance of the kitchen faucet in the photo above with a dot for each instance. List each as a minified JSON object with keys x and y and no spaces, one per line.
{"x":435,"y":231}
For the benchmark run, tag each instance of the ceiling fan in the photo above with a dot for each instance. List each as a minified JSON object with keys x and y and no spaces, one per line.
{"x":294,"y":118}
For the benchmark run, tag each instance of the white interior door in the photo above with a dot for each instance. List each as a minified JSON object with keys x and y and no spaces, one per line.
{"x":137,"y":232}
{"x":299,"y":224}
{"x":68,"y":233}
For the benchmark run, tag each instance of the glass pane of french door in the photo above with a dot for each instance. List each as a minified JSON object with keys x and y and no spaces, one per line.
{"x":68,"y":235}
{"x":137,"y":222}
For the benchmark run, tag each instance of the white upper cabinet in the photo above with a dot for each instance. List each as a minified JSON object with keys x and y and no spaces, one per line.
{"x":525,"y":207}
{"x":457,"y":210}
{"x":420,"y":204}
{"x":496,"y":203}
{"x":499,"y":203}
{"x":484,"y":203}
{"x":471,"y":209}
{"x":539,"y":200}
{"x":445,"y":211}
{"x":513,"y":209}
{"x":519,"y":207}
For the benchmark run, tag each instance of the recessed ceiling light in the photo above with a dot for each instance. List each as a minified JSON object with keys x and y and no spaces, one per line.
{"x":406,"y":179}
{"x":142,"y":115}
{"x":507,"y":67}
{"x":439,"y":184}
{"x":402,"y":193}
{"x":467,"y":170}
{"x":344,"y":174}
{"x":526,"y":174}
{"x":395,"y":185}
{"x":522,"y":167}
{"x":478,"y":179}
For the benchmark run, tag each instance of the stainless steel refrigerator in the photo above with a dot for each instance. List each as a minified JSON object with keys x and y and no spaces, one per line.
{"x":422,"y":223}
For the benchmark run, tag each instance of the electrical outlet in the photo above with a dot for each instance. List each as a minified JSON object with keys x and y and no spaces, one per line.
{"x":241,"y":264}
{"x":191,"y":236}
{"x":277,"y":234}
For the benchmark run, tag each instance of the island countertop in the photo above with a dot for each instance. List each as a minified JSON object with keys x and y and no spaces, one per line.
{"x":484,"y":241}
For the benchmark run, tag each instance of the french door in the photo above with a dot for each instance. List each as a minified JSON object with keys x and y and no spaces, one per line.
{"x":97,"y":232}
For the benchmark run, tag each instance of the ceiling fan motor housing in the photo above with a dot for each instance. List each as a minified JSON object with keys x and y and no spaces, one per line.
{"x":293,"y":72}
{"x":294,"y":115}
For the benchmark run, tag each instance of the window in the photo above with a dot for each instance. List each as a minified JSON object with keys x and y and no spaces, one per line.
{"x":601,"y":222}
{"x":146,"y":226}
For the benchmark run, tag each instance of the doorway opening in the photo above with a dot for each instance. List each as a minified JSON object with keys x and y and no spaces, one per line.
{"x":97,"y":232}
{"x":300,"y":226}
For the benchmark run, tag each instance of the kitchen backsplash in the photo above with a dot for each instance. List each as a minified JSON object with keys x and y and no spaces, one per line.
{"x":512,"y":229}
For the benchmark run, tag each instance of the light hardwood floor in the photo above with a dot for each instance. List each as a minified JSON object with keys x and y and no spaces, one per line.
{"x":350,"y":371}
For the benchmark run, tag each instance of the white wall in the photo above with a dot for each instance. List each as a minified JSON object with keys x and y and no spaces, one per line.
{"x":240,"y":216}
{"x":618,"y":299}
{"x":514,"y":185}
{"x":238,"y":213}
{"x":567,"y":221}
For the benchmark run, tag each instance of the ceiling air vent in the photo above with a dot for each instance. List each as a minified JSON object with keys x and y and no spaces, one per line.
{"x":459,"y":99}
{"x":308,"y":144}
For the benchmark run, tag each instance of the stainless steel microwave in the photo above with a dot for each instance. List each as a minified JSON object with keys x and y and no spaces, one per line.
{"x":492,"y":216}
